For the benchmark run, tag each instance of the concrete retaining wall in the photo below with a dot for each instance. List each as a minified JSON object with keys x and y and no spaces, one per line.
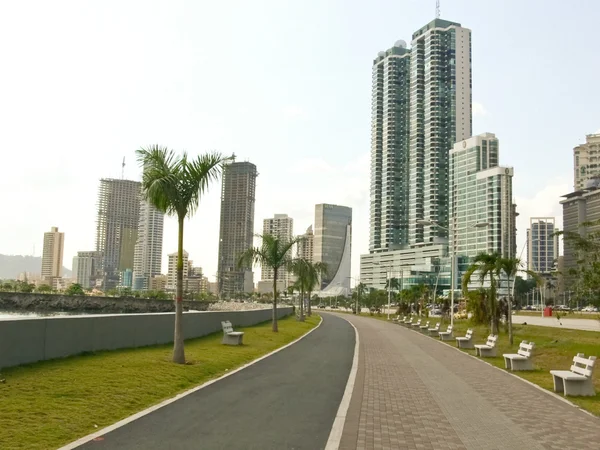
{"x":24,"y":341}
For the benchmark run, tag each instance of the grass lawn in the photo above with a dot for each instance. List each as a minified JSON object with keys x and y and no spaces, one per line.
{"x":51,"y":403}
{"x":554,"y":349}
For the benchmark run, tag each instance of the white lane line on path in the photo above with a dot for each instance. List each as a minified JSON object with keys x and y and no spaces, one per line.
{"x":147,"y":411}
{"x":335,"y":437}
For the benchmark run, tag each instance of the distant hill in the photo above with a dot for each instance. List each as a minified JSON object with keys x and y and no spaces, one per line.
{"x":12,"y":265}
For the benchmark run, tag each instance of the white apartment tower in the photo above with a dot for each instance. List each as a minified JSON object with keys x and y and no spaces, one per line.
{"x":172,"y":270}
{"x":87,"y":268}
{"x":586,"y":161}
{"x":480,"y":193}
{"x":147,"y":256}
{"x":282,"y":227}
{"x":542,"y":245}
{"x":307,"y":245}
{"x":52,"y":253}
{"x":440,"y":116}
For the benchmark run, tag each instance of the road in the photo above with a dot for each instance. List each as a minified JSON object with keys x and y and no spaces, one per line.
{"x":575,"y":324}
{"x":286,"y":401}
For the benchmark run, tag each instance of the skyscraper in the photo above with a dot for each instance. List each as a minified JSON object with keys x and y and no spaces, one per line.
{"x":586,"y":161}
{"x":117,"y":226}
{"x":307,"y":245}
{"x":333,"y":246}
{"x":421,"y":106}
{"x":542,"y":245}
{"x":480,"y":193}
{"x":390,"y":126}
{"x":440,"y":116}
{"x":87,"y":268}
{"x":172,"y":270}
{"x":147,"y":256}
{"x":282,"y":227}
{"x":236,"y":232}
{"x":52,"y":254}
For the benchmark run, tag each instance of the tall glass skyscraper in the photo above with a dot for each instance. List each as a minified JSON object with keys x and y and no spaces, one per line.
{"x":332,"y":246}
{"x":440,"y":116}
{"x":389,"y":149}
{"x":421,"y":106}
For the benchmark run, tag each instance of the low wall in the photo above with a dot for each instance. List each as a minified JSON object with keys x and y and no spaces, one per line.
{"x":25,"y":341}
{"x":21,"y":301}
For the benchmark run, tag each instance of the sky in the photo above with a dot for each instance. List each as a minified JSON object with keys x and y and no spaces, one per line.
{"x":285,"y":85}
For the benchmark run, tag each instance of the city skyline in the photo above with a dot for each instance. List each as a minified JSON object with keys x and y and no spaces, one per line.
{"x":296,"y":132}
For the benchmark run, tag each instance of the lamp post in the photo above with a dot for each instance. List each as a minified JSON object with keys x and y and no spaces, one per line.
{"x":356,"y":311}
{"x":452,"y":230}
{"x":388,"y":272}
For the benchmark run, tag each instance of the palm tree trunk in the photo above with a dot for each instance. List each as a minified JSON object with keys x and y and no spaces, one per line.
{"x":178,"y":345}
{"x":309,"y":312}
{"x":275,"y":327}
{"x":494,"y":328}
{"x":301,"y":317}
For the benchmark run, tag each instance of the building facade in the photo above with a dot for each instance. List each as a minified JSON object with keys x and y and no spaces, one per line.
{"x":87,"y":268}
{"x":542,"y":245}
{"x":306,"y":247}
{"x":52,"y":254}
{"x":172,"y":270}
{"x":480,"y":194}
{"x":579,"y":207}
{"x":333,"y":246}
{"x":586,"y":161}
{"x":236,"y":233}
{"x":117,"y":227}
{"x":390,"y":126}
{"x":147,"y":255}
{"x":282,"y":227}
{"x":440,"y":116}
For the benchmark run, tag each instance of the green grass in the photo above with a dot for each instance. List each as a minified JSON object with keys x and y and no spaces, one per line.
{"x":48,"y":404}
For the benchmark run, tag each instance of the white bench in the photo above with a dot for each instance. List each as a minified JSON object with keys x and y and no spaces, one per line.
{"x":435,"y":330}
{"x":417,"y":324}
{"x":408,"y":321}
{"x":578,"y":380}
{"x":424,"y":327}
{"x":488,"y":349}
{"x":446,"y":335}
{"x":466,"y":341}
{"x":231,"y":337}
{"x":397,"y":319}
{"x":522,"y":360}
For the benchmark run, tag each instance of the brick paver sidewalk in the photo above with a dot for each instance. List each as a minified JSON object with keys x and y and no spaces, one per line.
{"x":412,"y":392}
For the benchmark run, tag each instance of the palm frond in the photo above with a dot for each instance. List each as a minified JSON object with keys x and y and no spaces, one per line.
{"x":197,"y":175}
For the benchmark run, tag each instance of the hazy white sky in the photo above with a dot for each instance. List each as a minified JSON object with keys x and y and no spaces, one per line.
{"x":283,"y":84}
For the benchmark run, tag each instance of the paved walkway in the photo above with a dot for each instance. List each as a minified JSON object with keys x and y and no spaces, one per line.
{"x":413,"y":392}
{"x":286,"y":401}
{"x":575,"y":324}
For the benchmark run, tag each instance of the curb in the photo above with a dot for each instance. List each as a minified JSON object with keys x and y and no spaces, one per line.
{"x":168,"y":401}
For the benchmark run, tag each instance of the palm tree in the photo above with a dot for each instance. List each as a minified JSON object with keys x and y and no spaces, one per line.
{"x":174,"y":184}
{"x":273,"y":253}
{"x":510,"y":266}
{"x":488,"y":265}
{"x":308,"y":275}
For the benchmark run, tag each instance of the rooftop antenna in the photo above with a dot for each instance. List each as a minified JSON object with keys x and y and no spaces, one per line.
{"x":123,"y":169}
{"x":437,"y":9}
